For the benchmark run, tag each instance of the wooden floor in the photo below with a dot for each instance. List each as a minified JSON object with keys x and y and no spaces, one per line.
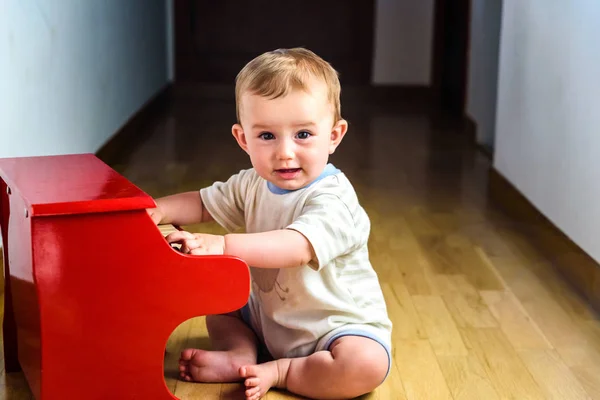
{"x":478,"y":312}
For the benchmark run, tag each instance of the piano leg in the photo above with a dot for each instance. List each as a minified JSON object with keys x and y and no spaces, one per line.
{"x":9,"y":332}
{"x":9,"y":327}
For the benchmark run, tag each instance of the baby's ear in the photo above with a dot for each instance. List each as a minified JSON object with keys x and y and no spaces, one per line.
{"x":337,"y":134}
{"x":240,"y":136}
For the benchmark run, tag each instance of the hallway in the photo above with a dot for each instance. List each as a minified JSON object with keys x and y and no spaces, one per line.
{"x":478,"y":312}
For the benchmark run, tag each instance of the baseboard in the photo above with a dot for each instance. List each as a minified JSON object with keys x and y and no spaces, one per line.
{"x":133,"y":132}
{"x":471,"y":128}
{"x":471,"y":131}
{"x":578,"y":268}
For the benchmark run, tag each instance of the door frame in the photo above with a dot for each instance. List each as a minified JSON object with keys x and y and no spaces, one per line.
{"x":437,"y":60}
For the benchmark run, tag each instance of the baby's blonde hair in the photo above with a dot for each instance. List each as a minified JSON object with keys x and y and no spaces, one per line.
{"x":276,"y":73}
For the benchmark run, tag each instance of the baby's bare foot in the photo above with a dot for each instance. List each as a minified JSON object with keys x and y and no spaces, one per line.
{"x":212,"y":366}
{"x":260,"y":378}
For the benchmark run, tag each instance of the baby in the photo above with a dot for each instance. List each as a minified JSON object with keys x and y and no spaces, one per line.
{"x":316,"y":306}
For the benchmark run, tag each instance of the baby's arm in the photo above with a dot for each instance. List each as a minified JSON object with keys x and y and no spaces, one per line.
{"x":180,"y":209}
{"x":284,"y":248}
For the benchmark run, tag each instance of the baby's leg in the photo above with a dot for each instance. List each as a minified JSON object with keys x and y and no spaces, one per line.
{"x":234,"y":344}
{"x":354,"y":366}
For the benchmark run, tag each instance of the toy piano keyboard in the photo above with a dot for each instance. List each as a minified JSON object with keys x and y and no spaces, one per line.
{"x":167,"y":229}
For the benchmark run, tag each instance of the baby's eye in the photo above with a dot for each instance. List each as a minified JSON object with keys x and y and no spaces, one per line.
{"x":266,"y":136}
{"x":303,"y":135}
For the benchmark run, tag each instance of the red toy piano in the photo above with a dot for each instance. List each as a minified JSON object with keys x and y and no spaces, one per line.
{"x":93,"y":290}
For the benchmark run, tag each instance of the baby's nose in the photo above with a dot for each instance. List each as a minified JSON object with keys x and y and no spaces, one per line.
{"x":285,"y":150}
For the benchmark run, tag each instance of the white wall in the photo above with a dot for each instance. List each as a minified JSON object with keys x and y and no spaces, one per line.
{"x":403,"y":42}
{"x":73,"y":72}
{"x":486,"y":18}
{"x":548,"y":119}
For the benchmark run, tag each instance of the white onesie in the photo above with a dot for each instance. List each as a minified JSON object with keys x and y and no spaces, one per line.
{"x":297,"y":311}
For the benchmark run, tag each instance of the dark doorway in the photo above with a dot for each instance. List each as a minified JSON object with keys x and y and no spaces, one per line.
{"x":215,"y":39}
{"x":450,"y":55}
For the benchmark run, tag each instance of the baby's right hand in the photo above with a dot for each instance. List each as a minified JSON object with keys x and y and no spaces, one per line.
{"x":156,"y":214}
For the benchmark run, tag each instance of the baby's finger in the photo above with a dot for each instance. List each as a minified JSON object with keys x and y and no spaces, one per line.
{"x":179,"y":236}
{"x":199,"y":251}
{"x":189,"y":245}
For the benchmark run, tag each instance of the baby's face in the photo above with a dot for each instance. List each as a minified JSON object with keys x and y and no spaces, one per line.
{"x":289,"y":139}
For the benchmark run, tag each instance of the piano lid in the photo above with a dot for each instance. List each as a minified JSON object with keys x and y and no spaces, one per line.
{"x":71,"y":184}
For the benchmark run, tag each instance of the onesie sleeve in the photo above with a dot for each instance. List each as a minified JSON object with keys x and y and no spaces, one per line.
{"x":328,"y":224}
{"x":225,"y":200}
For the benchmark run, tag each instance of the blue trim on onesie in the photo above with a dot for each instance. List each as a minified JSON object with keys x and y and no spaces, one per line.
{"x":358,"y":332}
{"x":245,"y":311}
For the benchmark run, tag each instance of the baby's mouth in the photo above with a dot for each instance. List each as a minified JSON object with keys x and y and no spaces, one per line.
{"x":287,"y":170}
{"x":288,"y":173}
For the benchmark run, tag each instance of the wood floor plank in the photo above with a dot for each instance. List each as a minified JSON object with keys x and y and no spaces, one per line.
{"x":455,"y":254}
{"x":410,"y":261}
{"x":581,"y":354}
{"x":474,"y":268}
{"x":541,"y":304}
{"x":516,"y":267}
{"x":555,"y":379}
{"x":439,"y":325}
{"x":486,"y":235}
{"x":401,"y":309}
{"x":277,"y":394}
{"x":589,"y":379}
{"x":464,"y":302}
{"x":466,"y":378}
{"x":193,"y":390}
{"x":506,"y":370}
{"x":522,"y":332}
{"x":235,"y":391}
{"x":583,"y":358}
{"x":421,"y":223}
{"x":421,"y":374}
{"x":438,"y":255}
{"x":420,"y":282}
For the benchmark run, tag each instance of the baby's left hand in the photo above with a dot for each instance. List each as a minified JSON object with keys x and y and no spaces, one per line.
{"x":198,"y":243}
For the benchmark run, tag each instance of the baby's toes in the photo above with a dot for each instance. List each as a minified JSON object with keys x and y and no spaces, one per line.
{"x":185,"y":376}
{"x":254,"y":392}
{"x":251,"y":382}
{"x":254,"y":397}
{"x":248,"y":371}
